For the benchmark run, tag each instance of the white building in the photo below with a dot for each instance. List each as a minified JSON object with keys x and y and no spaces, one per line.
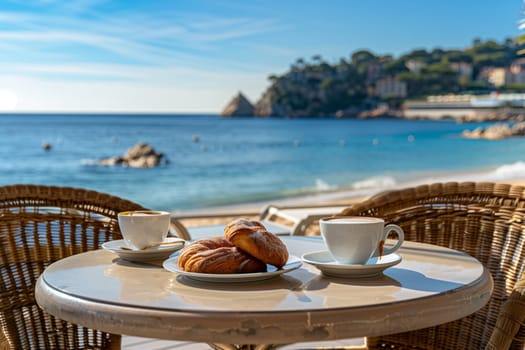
{"x":391,"y":87}
{"x":496,"y":76}
{"x":517,"y":70}
{"x":415,"y":66}
{"x":464,"y":69}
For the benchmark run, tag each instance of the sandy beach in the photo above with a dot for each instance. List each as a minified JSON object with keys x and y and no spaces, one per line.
{"x":223,"y":214}
{"x":330,"y":198}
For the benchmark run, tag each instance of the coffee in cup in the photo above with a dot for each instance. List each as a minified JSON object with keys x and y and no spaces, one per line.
{"x":141,"y":228}
{"x":355,"y":239}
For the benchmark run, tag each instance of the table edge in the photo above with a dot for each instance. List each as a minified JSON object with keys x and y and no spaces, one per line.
{"x":258,"y":327}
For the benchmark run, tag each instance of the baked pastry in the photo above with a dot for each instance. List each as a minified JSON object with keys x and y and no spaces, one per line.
{"x":217,"y":255}
{"x":253,"y":238}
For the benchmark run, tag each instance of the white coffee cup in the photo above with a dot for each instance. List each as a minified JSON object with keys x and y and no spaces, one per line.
{"x":355,"y":239}
{"x":141,"y":228}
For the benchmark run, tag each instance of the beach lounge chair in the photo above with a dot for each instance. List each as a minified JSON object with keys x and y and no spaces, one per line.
{"x":217,"y":229}
{"x":280,"y":220}
{"x":485,"y":220}
{"x":300,"y":217}
{"x":40,"y":225}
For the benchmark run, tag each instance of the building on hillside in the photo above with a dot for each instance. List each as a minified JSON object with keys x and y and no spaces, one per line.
{"x":500,"y":76}
{"x":450,"y":98}
{"x":496,"y":76}
{"x":464,"y":69}
{"x":415,"y":66}
{"x":391,"y":87}
{"x":517,"y":70}
{"x":374,"y":70}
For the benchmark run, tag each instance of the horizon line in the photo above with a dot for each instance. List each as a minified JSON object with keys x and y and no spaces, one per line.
{"x":3,"y":113}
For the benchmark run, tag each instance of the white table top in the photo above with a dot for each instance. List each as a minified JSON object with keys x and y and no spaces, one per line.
{"x":432,"y":285}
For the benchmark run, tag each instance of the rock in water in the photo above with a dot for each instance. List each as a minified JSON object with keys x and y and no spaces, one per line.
{"x":140,"y":150}
{"x":111,"y":161}
{"x":496,"y":132}
{"x":142,"y":155}
{"x":239,"y":106}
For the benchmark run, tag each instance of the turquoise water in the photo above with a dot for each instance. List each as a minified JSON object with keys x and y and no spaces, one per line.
{"x":245,"y":160}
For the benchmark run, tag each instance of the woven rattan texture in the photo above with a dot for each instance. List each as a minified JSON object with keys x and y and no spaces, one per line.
{"x":40,"y":225}
{"x":485,"y":220}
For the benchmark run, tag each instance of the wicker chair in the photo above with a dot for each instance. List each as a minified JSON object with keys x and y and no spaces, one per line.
{"x":485,"y":220}
{"x":39,"y":225}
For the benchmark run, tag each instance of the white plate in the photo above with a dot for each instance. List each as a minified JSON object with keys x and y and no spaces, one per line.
{"x":292,"y":264}
{"x":324,"y":261}
{"x":149,"y":254}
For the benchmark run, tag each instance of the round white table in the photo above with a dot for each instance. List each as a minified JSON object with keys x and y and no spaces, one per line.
{"x":432,"y":285}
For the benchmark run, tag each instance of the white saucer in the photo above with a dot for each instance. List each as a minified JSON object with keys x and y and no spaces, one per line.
{"x":324,"y":261}
{"x":149,"y":254}
{"x":293,"y":263}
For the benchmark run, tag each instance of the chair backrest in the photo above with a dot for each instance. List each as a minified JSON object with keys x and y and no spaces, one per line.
{"x":40,"y":225}
{"x":485,"y":220}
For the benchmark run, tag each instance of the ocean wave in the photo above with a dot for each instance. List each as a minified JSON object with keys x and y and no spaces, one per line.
{"x":502,"y":173}
{"x":508,"y":171}
{"x":375,"y":182}
{"x":512,"y":171}
{"x":321,"y":185}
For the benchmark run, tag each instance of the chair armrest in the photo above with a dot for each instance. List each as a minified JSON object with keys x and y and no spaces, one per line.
{"x":511,"y":318}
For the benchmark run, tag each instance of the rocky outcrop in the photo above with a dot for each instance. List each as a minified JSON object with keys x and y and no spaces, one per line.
{"x":142,"y":155}
{"x":494,"y":115}
{"x":239,"y":106}
{"x":381,"y":112}
{"x":265,"y":107}
{"x":496,"y":132}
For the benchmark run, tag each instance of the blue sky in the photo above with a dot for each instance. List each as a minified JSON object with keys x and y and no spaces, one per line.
{"x":193,"y":56}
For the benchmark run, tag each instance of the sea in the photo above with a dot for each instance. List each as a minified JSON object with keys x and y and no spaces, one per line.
{"x":216,"y":162}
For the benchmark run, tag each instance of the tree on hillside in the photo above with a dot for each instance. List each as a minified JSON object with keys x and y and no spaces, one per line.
{"x":318,"y":87}
{"x":520,"y":40}
{"x":395,"y":67}
{"x":362,"y":56}
{"x":457,"y":56}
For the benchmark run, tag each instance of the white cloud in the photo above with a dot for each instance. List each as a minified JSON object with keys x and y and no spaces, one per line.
{"x":130,"y":61}
{"x":135,"y":37}
{"x":167,"y":90}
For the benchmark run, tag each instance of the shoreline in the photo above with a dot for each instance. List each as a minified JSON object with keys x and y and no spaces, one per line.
{"x":335,"y":197}
{"x":348,"y":196}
